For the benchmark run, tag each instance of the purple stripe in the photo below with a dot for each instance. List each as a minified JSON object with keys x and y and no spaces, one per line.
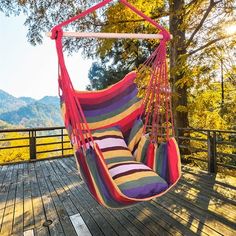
{"x":125,"y":168}
{"x":112,"y":106}
{"x":96,"y":105}
{"x":147,"y":190}
{"x":122,"y":163}
{"x":129,"y":172}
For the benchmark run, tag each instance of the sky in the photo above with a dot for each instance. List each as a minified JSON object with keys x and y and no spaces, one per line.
{"x":31,"y":71}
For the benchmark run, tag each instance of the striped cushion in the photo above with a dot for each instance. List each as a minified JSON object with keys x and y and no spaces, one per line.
{"x":111,"y":143}
{"x":136,"y":180}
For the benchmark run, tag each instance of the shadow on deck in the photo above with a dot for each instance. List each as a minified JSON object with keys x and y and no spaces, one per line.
{"x":49,"y":198}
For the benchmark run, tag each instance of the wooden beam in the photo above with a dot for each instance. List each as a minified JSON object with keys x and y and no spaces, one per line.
{"x":109,"y":35}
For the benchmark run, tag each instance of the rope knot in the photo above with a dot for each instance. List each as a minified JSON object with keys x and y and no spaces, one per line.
{"x":56,"y":32}
{"x":166,"y":35}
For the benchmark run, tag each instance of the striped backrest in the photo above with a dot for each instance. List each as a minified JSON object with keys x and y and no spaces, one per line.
{"x":118,"y":105}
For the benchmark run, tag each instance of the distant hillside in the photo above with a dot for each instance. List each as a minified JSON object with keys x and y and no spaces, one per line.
{"x":27,"y":100}
{"x":28,"y":112}
{"x":9,"y":102}
{"x":50,"y":100}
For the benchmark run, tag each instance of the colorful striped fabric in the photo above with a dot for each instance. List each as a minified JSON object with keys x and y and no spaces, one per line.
{"x":134,"y":179}
{"x":112,"y":145}
{"x":141,"y":151}
{"x":135,"y":135}
{"x":117,"y":105}
{"x":137,"y":180}
{"x":115,"y":173}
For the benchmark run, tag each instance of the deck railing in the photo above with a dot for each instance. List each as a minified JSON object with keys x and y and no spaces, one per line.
{"x":214,"y":148}
{"x":34,"y":143}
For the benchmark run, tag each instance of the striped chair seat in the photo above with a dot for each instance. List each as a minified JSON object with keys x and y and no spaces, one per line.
{"x":133,"y":178}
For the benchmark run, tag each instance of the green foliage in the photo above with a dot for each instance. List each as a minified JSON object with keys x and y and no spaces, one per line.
{"x":206,"y":109}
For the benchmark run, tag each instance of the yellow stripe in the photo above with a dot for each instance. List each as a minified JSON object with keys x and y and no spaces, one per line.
{"x":140,"y":148}
{"x":116,"y":118}
{"x":117,"y":153}
{"x":134,"y":176}
{"x":155,"y":152}
{"x":123,"y":162}
{"x":135,"y":139}
{"x":108,"y":132}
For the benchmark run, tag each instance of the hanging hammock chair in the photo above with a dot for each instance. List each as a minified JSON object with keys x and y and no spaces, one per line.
{"x":124,"y":146}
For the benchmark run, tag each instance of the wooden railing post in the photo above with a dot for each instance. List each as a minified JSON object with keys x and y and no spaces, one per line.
{"x":32,"y":143}
{"x":211,"y":146}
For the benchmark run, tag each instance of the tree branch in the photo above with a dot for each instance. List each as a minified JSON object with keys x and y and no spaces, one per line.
{"x":211,"y":5}
{"x":209,"y":44}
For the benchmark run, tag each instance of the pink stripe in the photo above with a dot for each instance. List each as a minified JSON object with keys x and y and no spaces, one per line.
{"x":111,"y":142}
{"x":124,"y":168}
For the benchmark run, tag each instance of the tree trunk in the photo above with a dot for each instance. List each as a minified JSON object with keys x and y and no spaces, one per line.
{"x":177,"y":62}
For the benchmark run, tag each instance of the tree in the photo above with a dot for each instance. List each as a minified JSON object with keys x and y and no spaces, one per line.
{"x":196,"y":25}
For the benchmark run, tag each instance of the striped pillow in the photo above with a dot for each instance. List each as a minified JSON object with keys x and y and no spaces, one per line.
{"x":136,"y":180}
{"x":133,"y":178}
{"x":112,"y":145}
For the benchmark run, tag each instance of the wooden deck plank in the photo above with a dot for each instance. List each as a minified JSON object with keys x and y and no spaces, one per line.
{"x":60,"y":209}
{"x":55,"y":227}
{"x":126,"y":222}
{"x":179,"y":213}
{"x":116,"y":225}
{"x":91,"y":206}
{"x":79,"y":225}
{"x":18,"y":227}
{"x":32,"y":194}
{"x":73,"y":188}
{"x":197,"y":212}
{"x":174,"y":226}
{"x":8,"y":214}
{"x":220,"y":179}
{"x":203,"y":196}
{"x":214,"y":189}
{"x":38,"y":208}
{"x":28,"y":204}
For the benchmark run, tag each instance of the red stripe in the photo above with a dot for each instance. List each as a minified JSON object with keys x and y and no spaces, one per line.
{"x":173,"y":161}
{"x":150,"y":155}
{"x":103,"y":95}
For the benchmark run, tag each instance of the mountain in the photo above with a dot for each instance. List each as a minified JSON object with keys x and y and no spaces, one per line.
{"x":29,"y":112}
{"x":50,"y":100}
{"x":9,"y":102}
{"x":27,"y":100}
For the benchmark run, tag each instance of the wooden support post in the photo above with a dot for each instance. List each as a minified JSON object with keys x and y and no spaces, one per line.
{"x":211,"y":146}
{"x":32,"y":143}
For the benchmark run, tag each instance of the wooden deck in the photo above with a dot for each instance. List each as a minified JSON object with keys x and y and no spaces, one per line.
{"x":49,"y":198}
